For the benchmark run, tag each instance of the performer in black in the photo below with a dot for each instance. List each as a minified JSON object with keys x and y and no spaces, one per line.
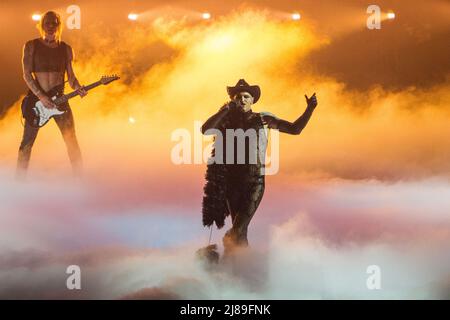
{"x":237,"y":188}
{"x":45,"y":62}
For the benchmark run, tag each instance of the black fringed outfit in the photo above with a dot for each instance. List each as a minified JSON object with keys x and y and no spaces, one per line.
{"x":235,"y":188}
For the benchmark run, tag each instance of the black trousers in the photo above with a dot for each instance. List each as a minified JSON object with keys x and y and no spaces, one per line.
{"x":243,"y":199}
{"x":66,"y":125}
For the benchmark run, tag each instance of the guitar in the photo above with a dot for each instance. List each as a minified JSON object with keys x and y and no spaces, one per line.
{"x":37,"y":115}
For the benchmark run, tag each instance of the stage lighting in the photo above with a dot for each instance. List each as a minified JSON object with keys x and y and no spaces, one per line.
{"x":391,"y":15}
{"x":296,"y":16}
{"x":36,"y":17}
{"x":133,"y":16}
{"x":131,"y":120}
{"x":206,"y":15}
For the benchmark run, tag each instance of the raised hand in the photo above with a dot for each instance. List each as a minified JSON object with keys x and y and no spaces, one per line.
{"x":312,"y":101}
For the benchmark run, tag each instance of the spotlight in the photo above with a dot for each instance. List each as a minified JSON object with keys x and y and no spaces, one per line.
{"x":133,"y":16}
{"x":36,"y":17}
{"x":206,"y":15}
{"x":131,"y":120}
{"x":296,"y":16}
{"x":391,"y":15}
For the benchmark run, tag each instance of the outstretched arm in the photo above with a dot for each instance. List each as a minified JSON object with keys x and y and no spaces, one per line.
{"x":298,"y":125}
{"x":216,"y":119}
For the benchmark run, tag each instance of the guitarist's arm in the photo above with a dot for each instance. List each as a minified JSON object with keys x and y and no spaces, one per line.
{"x":73,"y":81}
{"x":27,"y":67}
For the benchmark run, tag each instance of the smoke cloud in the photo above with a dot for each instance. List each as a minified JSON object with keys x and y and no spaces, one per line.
{"x":365,"y":184}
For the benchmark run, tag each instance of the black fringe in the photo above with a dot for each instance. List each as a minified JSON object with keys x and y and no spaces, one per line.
{"x":214,"y":207}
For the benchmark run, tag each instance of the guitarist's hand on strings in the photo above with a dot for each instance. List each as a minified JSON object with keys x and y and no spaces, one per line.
{"x":47,"y":102}
{"x":81,"y":91}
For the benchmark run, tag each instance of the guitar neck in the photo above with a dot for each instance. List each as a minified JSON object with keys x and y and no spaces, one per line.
{"x":75,"y":93}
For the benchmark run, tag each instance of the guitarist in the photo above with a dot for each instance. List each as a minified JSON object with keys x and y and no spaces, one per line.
{"x":45,"y":62}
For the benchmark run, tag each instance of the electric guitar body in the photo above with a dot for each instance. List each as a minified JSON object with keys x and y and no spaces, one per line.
{"x":35,"y":113}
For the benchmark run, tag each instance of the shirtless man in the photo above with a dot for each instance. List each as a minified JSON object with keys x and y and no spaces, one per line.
{"x":45,"y":62}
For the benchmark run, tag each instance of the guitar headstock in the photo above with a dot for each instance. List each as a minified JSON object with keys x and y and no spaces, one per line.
{"x":108,"y":79}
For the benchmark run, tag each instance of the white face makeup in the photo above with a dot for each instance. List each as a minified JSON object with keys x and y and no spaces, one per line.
{"x":244,"y":100}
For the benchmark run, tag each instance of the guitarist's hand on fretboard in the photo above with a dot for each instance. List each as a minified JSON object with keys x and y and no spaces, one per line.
{"x":81,"y":91}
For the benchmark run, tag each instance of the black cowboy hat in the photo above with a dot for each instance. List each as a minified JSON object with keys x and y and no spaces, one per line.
{"x":243,"y":86}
